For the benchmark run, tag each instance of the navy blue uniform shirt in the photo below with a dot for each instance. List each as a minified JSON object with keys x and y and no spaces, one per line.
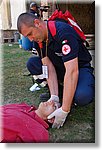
{"x":64,"y":46}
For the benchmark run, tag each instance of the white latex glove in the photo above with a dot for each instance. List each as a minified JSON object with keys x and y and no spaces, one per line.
{"x":60,"y":117}
{"x":55,"y":98}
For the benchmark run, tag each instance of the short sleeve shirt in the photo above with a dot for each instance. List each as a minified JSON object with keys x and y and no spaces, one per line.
{"x":66,"y":45}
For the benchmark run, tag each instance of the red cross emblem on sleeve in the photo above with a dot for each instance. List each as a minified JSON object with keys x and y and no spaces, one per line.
{"x":66,"y":49}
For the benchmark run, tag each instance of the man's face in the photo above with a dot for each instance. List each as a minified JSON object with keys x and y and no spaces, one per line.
{"x":34,"y":8}
{"x":33,"y":33}
{"x":46,"y":108}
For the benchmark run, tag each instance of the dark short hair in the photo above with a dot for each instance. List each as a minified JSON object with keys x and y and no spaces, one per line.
{"x":25,"y":19}
{"x":33,"y":4}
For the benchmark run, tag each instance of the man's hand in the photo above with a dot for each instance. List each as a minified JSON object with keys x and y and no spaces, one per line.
{"x":60,"y":117}
{"x":55,"y":98}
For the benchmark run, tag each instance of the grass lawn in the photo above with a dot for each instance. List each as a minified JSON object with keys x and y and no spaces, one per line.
{"x":80,"y":124}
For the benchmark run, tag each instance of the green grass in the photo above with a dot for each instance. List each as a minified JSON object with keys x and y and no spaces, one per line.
{"x":80,"y":124}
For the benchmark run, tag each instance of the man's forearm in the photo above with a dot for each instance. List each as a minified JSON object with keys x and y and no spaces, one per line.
{"x":70,"y":83}
{"x":52,"y":81}
{"x":52,"y":77}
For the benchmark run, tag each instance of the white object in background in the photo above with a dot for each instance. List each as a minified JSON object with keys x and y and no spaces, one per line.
{"x":34,"y":87}
{"x":45,"y":71}
{"x":10,"y":44}
{"x":38,"y":77}
{"x":20,"y":46}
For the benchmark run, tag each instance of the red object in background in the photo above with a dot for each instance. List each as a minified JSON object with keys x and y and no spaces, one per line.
{"x":40,"y":45}
{"x":21,"y":125}
{"x":67,"y":16}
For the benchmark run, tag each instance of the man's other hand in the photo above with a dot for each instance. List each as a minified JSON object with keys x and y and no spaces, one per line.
{"x":60,"y":117}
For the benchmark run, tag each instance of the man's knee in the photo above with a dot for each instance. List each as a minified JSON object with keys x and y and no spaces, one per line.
{"x":84,"y":97}
{"x":34,"y":65}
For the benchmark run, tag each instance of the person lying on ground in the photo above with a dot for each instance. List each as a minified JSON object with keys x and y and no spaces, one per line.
{"x":25,"y":124}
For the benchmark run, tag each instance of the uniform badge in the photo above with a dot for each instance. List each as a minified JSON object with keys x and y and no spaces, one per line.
{"x":66,"y":49}
{"x":65,"y":41}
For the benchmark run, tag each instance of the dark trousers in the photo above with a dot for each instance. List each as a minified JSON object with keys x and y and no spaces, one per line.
{"x":85,"y":90}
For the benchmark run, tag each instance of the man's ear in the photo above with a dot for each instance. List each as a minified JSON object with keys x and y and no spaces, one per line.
{"x":36,"y":22}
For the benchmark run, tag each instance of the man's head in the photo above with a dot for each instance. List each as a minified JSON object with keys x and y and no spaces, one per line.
{"x":32,"y":27}
{"x":45,"y":109}
{"x":34,"y":6}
